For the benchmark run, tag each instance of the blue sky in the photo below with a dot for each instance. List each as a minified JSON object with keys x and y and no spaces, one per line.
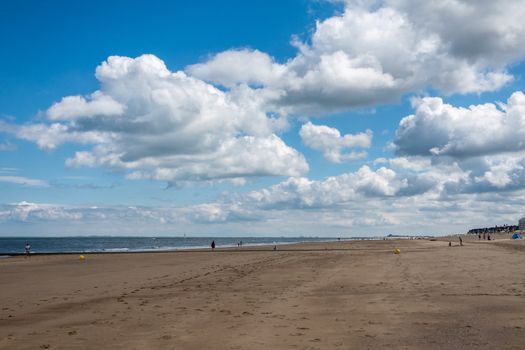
{"x":304,"y":117}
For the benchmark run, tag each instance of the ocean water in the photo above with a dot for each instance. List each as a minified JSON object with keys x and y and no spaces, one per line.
{"x":13,"y":245}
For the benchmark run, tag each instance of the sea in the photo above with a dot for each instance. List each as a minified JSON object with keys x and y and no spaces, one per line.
{"x":15,"y":245}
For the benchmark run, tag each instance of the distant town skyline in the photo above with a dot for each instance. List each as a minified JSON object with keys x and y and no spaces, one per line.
{"x":261,"y":118}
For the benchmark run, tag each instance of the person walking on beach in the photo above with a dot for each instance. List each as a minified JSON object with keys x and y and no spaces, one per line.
{"x":460,"y":241}
{"x":27,"y":249}
{"x":213,"y":245}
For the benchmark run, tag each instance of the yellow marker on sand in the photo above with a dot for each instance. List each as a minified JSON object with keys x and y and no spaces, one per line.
{"x":397,"y":251}
{"x":82,"y":257}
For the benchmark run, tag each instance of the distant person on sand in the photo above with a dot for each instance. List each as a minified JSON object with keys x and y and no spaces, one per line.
{"x":488,"y":237}
{"x":213,"y":244}
{"x":460,"y":241}
{"x":479,"y":236}
{"x":28,"y":249}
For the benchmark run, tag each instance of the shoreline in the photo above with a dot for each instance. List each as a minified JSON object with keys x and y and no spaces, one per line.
{"x":282,"y":246}
{"x":227,"y":247}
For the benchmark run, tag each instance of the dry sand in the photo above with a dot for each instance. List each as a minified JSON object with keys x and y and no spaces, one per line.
{"x":430,"y":296}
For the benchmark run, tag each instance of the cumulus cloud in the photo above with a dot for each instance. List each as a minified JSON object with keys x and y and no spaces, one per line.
{"x":50,"y":136}
{"x":502,"y":173}
{"x":440,"y":129}
{"x":330,"y":142}
{"x":447,"y":176}
{"x":480,"y":31}
{"x":166,"y":125}
{"x":414,"y":179}
{"x":376,"y":51}
{"x":240,"y":157}
{"x":97,"y":104}
{"x":481,"y":144}
{"x":231,"y":67}
{"x":305,"y":193}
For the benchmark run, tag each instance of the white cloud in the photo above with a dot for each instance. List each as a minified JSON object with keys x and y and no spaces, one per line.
{"x":490,"y":174}
{"x":71,"y":107}
{"x":239,"y":157}
{"x":440,"y":129}
{"x":446,"y":176}
{"x":231,"y":67}
{"x":484,"y":31}
{"x":329,"y":141}
{"x":376,"y":51}
{"x":50,"y":136}
{"x":166,"y":125}
{"x":305,"y":193}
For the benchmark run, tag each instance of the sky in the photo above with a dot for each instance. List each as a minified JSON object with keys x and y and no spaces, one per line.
{"x":326,"y":118}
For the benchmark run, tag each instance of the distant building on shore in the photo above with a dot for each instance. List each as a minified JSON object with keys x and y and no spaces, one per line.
{"x":521,"y":224}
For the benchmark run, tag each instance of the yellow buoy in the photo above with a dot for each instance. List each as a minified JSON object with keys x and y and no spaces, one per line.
{"x":397,"y":251}
{"x":82,"y":257}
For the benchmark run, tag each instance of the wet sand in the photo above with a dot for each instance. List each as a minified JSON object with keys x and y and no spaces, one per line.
{"x":359,"y":296}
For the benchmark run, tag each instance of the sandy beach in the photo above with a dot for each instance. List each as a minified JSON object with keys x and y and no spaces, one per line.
{"x":341,"y":295}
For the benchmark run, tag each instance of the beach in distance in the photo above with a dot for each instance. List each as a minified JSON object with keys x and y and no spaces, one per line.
{"x":333,"y":295}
